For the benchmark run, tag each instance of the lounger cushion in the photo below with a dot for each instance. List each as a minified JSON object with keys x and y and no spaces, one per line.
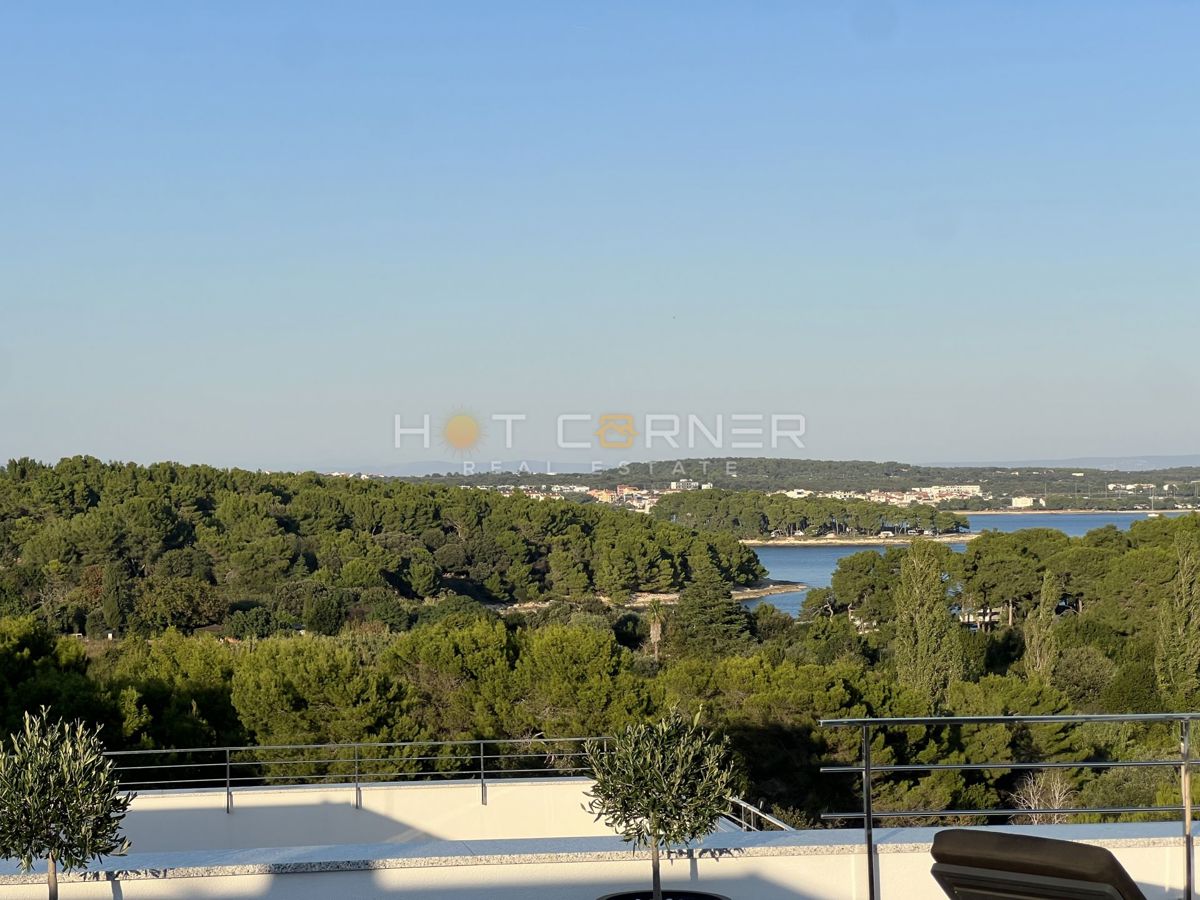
{"x":997,"y":850}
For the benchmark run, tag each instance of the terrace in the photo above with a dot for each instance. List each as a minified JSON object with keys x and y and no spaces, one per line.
{"x":500,"y":820}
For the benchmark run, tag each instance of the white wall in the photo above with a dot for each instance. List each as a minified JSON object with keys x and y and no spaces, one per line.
{"x":533,"y":840}
{"x":301,"y":816}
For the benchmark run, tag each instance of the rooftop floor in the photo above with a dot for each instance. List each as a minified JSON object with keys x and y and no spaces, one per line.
{"x":440,"y":841}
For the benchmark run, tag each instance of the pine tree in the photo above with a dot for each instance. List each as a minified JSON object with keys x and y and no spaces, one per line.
{"x":616,"y":573}
{"x":927,"y":648}
{"x":707,"y":620}
{"x":1177,"y":652}
{"x":1041,"y":634}
{"x":568,"y":577}
{"x":657,"y":616}
{"x":423,"y":577}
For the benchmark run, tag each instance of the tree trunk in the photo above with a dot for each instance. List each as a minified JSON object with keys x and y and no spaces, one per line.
{"x":52,"y":877}
{"x":1010,"y":613}
{"x":656,"y":882}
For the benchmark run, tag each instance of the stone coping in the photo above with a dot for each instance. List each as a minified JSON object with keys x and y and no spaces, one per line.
{"x":517,"y":851}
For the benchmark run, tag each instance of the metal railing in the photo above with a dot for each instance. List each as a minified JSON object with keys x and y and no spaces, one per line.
{"x":359,"y":764}
{"x":354,"y":764}
{"x":869,"y":773}
{"x":748,"y":817}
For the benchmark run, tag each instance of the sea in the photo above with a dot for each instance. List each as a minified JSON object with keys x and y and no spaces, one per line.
{"x":814,"y":565}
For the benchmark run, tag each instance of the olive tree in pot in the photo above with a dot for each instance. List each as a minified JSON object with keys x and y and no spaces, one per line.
{"x":59,"y":798}
{"x":661,"y":784}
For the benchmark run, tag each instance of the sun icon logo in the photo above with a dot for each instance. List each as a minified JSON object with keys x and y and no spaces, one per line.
{"x":461,"y":432}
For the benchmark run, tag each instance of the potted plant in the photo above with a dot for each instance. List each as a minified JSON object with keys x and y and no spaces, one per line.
{"x":661,"y":784}
{"x":59,"y":798}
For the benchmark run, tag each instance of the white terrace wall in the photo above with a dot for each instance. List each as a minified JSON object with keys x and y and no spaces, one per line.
{"x":532,"y":840}
{"x":302,"y":816}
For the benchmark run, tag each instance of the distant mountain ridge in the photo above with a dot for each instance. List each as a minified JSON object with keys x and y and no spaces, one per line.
{"x":454,"y":468}
{"x":1100,"y":463}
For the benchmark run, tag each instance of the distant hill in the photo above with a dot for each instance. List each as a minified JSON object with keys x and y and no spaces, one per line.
{"x":1100,"y":463}
{"x":1063,"y":483}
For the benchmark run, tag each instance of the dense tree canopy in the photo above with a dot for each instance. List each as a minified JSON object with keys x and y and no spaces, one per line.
{"x":89,"y":547}
{"x":1027,"y":622}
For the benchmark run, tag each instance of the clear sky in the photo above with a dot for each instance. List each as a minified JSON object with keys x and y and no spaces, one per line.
{"x":253,"y":233}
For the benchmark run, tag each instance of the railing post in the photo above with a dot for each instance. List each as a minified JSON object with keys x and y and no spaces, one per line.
{"x":228,"y":784}
{"x":357,"y":786}
{"x":868,"y":810}
{"x":1185,"y":774}
{"x":482,"y":777}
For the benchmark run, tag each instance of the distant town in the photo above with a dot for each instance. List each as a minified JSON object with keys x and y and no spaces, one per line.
{"x":965,"y":497}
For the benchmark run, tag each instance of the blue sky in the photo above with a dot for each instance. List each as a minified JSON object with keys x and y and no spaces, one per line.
{"x":252,"y":233}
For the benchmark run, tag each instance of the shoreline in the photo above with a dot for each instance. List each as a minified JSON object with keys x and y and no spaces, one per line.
{"x":861,"y":541}
{"x":768,"y":587}
{"x":901,"y":540}
{"x":764,"y":588}
{"x":1063,"y":512}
